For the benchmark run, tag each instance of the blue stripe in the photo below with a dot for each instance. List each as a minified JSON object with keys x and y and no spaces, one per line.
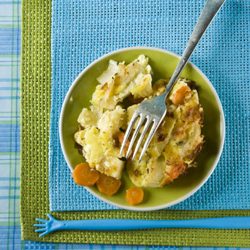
{"x":9,"y":79}
{"x":10,"y":2}
{"x":9,"y":97}
{"x":9,"y":178}
{"x":10,"y":197}
{"x":9,"y":128}
{"x":9,"y":116}
{"x":9,"y":137}
{"x":6,"y":21}
{"x":8,"y":157}
{"x":9,"y":88}
{"x":9,"y":61}
{"x":7,"y":35}
{"x":9,"y":187}
{"x":5,"y":149}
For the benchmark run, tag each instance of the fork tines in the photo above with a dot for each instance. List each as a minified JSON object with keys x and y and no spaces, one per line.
{"x":146,"y":120}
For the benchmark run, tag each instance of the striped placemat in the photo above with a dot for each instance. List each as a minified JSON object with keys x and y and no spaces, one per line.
{"x":36,"y":73}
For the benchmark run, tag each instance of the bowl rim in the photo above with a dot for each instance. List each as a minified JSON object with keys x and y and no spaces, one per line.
{"x":222,"y":129}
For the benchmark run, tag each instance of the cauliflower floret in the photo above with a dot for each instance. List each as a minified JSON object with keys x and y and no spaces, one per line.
{"x":92,"y":147}
{"x":87,"y":118}
{"x":99,"y":151}
{"x":129,"y":72}
{"x":111,"y":166}
{"x":117,"y":87}
{"x":148,"y":173}
{"x":107,"y":75}
{"x":111,"y":121}
{"x":142,"y":86}
{"x":79,"y":137}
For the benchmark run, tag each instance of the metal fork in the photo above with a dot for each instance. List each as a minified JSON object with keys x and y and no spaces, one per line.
{"x":52,"y":225}
{"x":151,"y":113}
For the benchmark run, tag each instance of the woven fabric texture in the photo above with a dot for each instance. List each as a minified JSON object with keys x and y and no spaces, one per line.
{"x":36,"y":72}
{"x":84,"y":30}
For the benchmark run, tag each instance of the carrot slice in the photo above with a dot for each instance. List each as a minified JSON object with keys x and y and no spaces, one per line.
{"x":120,"y":136}
{"x":134,"y":195}
{"x":108,"y":185}
{"x":179,"y":95}
{"x":85,"y":176}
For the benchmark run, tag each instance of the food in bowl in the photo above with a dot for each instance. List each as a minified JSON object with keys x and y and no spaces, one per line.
{"x":173,"y":149}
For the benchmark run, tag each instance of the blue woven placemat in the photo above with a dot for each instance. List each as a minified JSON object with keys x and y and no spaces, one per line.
{"x":84,"y":30}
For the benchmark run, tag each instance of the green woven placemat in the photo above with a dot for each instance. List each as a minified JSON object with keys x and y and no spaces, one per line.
{"x":36,"y":73}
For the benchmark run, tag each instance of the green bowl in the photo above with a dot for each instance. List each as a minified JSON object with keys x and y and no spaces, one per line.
{"x":163,"y":64}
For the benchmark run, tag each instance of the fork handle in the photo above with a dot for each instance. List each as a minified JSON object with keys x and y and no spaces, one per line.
{"x":121,"y":224}
{"x":209,"y":11}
